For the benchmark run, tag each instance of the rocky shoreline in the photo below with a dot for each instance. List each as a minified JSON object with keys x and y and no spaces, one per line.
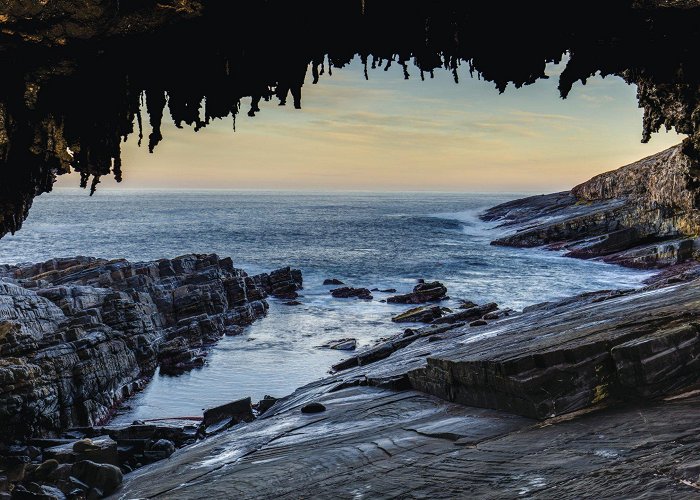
{"x":428,"y":406}
{"x":591,"y":395}
{"x":642,"y":215}
{"x":595,"y":394}
{"x":78,"y":336}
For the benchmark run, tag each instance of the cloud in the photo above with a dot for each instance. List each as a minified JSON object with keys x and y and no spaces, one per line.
{"x":594,"y":99}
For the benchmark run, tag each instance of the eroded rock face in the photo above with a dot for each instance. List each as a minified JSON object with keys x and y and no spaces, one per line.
{"x":575,"y":358}
{"x":641,"y":215}
{"x":58,"y":22}
{"x":79,"y":335}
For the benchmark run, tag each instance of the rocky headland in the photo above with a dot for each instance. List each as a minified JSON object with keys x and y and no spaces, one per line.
{"x":642,"y":215}
{"x":80,"y":335}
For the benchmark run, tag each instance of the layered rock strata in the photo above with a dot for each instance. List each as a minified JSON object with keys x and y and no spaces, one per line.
{"x":642,"y":215}
{"x":604,"y":363}
{"x":79,"y":335}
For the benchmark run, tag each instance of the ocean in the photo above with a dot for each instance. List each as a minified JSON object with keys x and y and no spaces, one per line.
{"x":384,"y":240}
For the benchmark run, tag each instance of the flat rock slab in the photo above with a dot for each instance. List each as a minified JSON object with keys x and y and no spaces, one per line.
{"x":375,"y":443}
{"x":562,"y":359}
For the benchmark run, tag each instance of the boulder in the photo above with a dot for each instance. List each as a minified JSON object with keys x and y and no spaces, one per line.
{"x":104,"y":477}
{"x":350,"y":292}
{"x":422,"y":314}
{"x":314,"y":407}
{"x":470,"y":314}
{"x":165,"y":447}
{"x":341,"y":345}
{"x":265,"y":404}
{"x":227,"y":415}
{"x":422,"y":293}
{"x":332,"y":281}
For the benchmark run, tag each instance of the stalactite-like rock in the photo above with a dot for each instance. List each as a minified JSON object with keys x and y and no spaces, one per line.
{"x":74,"y":78}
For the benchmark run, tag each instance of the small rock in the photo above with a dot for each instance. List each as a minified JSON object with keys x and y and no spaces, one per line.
{"x":341,"y":345}
{"x":76,"y":494}
{"x":422,"y":292}
{"x":467,"y":304}
{"x":105,"y":477}
{"x":422,"y":314}
{"x":265,"y":404}
{"x":332,"y":281}
{"x":478,"y":322}
{"x":464,"y":315}
{"x":491,"y":316}
{"x":14,"y":468}
{"x":164,"y":446}
{"x":232,"y":413}
{"x":348,"y":292}
{"x":313,"y":408}
{"x":47,"y":492}
{"x":408,"y":332}
{"x":292,"y":303}
{"x":44,"y":470}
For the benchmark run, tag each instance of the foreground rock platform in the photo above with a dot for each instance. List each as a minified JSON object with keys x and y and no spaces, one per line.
{"x":373,"y":443}
{"x":610,"y":378}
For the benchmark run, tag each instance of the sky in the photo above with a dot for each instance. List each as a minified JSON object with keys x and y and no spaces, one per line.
{"x":390,"y":134}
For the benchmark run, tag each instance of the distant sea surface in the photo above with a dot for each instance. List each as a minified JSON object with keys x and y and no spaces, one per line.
{"x":384,"y":240}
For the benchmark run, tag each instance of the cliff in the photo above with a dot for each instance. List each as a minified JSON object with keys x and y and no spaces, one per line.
{"x":78,"y":336}
{"x":641,"y":215}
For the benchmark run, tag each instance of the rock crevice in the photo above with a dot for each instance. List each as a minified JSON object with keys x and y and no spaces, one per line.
{"x":77,"y":336}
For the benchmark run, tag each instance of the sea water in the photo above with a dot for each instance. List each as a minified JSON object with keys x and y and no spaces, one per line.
{"x":383,"y":240}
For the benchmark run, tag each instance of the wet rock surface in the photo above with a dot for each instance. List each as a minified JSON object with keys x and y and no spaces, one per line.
{"x":77,"y":336}
{"x":422,"y":293}
{"x":598,"y":372}
{"x":423,"y":314}
{"x":643,"y":215}
{"x":341,"y":345}
{"x":348,"y":292}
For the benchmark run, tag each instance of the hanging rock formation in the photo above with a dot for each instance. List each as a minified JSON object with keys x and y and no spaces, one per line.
{"x":76,"y":80}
